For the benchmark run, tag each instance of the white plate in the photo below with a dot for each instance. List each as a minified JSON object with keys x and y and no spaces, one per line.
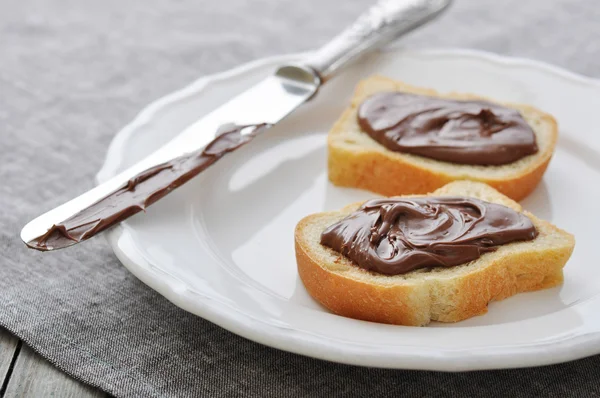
{"x":222,"y":248}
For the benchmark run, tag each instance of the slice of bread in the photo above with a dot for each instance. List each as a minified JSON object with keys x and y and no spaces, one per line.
{"x":356,"y":160}
{"x":437,"y":294}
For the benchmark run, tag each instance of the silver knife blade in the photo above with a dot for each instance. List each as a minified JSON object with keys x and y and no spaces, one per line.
{"x":267,"y":102}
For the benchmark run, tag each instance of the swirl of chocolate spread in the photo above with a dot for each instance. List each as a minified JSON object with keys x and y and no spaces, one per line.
{"x":464,"y":132}
{"x":397,"y":235}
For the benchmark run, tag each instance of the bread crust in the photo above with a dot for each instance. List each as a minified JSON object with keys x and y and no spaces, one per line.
{"x":353,"y":292}
{"x":379,"y":170}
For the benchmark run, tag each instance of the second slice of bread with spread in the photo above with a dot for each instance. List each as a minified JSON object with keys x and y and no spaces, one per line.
{"x":356,"y":160}
{"x":437,"y":294}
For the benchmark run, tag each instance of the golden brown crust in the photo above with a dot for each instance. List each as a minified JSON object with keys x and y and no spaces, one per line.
{"x":506,"y":277}
{"x":377,"y":172}
{"x":388,"y":173}
{"x":357,"y":299}
{"x":358,"y":295}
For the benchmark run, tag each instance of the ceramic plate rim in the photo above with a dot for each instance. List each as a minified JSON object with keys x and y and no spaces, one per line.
{"x":305,"y":343}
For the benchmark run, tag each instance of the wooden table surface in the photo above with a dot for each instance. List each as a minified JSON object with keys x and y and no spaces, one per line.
{"x":24,"y":373}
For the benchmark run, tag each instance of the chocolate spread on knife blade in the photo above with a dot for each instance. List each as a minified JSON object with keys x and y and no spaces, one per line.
{"x":464,"y":132}
{"x":144,"y":189}
{"x":396,"y":236}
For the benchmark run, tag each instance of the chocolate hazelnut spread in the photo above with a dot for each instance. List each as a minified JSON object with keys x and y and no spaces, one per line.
{"x":465,"y":132}
{"x":398,"y":235}
{"x":144,"y":189}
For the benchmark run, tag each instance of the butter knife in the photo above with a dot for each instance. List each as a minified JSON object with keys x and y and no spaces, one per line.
{"x":223,"y":130}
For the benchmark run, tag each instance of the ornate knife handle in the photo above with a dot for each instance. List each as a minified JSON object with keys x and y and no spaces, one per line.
{"x":382,"y":23}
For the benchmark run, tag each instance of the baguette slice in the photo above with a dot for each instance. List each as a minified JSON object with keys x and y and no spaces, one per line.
{"x":356,"y":160}
{"x":438,"y":294}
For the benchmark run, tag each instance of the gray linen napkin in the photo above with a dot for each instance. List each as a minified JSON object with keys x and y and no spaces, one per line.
{"x":73,"y":72}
